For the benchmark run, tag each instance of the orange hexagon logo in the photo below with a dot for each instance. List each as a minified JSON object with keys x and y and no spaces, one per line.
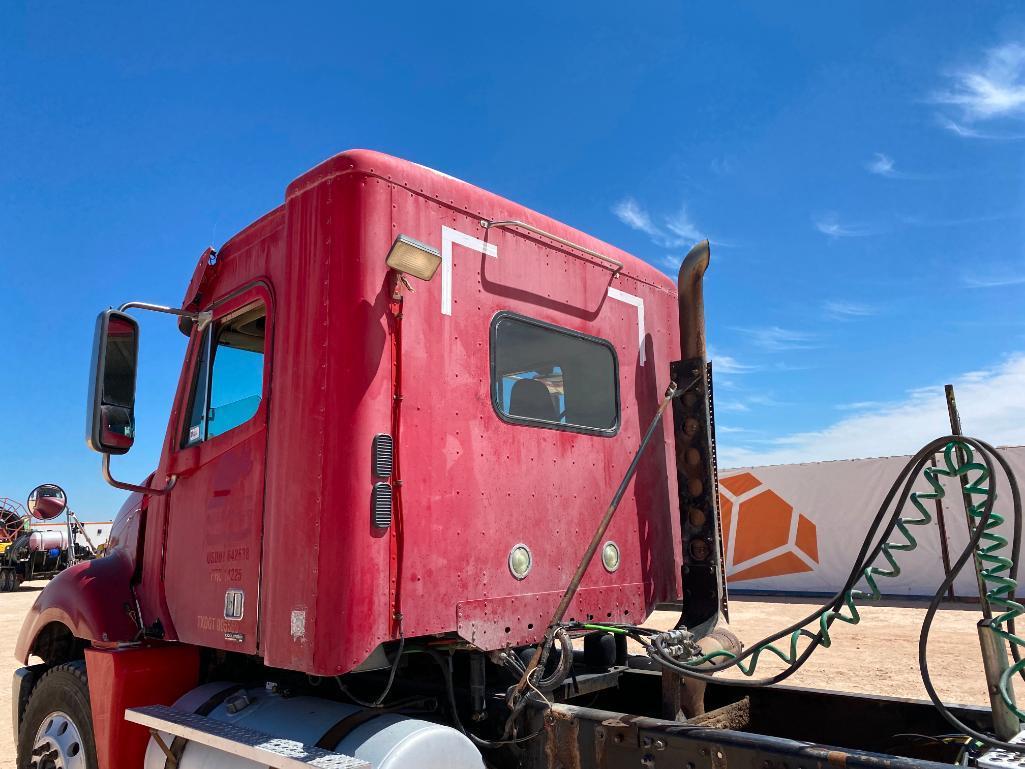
{"x":765,"y":536}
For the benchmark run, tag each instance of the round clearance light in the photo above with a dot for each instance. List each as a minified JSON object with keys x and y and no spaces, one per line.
{"x":520,"y":561}
{"x":610,"y":556}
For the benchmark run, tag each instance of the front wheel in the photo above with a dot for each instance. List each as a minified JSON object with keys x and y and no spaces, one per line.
{"x":57,"y":729}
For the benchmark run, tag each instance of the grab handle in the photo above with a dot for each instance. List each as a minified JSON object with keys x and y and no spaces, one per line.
{"x":616,"y":264}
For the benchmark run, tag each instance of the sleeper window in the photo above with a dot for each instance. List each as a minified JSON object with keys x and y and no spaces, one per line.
{"x":551,"y":377}
{"x":227,"y":393}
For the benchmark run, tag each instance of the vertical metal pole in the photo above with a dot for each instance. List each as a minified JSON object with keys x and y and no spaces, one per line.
{"x":80,"y":529}
{"x":994,"y":649}
{"x":955,"y":429}
{"x":994,"y":660}
{"x":682,"y":697}
{"x":71,"y":538}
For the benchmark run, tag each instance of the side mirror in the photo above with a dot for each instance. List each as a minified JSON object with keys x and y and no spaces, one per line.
{"x":47,"y":501}
{"x":111,"y":406}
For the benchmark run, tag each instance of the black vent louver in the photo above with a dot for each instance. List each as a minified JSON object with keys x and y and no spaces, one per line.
{"x":380,"y":505}
{"x":382,"y":456}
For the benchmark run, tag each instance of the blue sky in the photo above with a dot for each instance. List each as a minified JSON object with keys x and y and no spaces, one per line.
{"x":858,"y":167}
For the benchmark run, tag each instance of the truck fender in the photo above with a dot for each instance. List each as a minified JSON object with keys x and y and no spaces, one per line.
{"x":90,"y":601}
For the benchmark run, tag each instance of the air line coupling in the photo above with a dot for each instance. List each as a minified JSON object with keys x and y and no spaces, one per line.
{"x":678,"y":643}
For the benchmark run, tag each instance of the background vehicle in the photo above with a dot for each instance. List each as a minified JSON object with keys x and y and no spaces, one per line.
{"x":375,"y":531}
{"x":31,"y":553}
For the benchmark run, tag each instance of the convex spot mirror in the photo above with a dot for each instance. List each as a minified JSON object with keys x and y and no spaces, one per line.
{"x":111,"y":406}
{"x":47,"y":501}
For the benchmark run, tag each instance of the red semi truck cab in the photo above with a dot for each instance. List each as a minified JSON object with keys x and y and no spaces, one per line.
{"x":404,"y":406}
{"x":528,"y":371}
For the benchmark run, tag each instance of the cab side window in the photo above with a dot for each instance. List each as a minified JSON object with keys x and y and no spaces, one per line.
{"x":228,"y":385}
{"x":546,"y":376}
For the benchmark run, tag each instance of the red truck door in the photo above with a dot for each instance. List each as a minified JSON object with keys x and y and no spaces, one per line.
{"x":215,"y":510}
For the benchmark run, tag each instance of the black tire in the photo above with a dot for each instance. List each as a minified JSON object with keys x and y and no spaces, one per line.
{"x":62,"y":689}
{"x":8,"y":582}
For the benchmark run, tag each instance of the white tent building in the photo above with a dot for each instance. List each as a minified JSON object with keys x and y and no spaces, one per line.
{"x":798,"y":528}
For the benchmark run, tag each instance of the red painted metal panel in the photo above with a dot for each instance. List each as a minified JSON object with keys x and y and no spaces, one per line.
{"x":325,"y":587}
{"x":128,"y":678}
{"x":90,"y":599}
{"x":514,"y":620}
{"x":125,"y":530}
{"x":472,"y":485}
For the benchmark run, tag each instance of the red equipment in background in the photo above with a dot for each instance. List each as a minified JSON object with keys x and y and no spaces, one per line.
{"x":12,"y":520}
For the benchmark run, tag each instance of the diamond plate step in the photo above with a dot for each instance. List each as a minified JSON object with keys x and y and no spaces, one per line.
{"x":256,"y":746}
{"x":1005,"y":759}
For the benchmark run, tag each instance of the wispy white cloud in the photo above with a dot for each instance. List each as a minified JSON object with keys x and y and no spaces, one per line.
{"x":735,"y":407}
{"x":1003,"y":276}
{"x":681,"y":225}
{"x":974,"y":133}
{"x":862,"y":405}
{"x":830,"y":224}
{"x":727,"y":364}
{"x":881,"y":165}
{"x":991,"y":408}
{"x":676,"y":231}
{"x":776,"y":339}
{"x":731,"y":430}
{"x":671,"y":263}
{"x":991,"y":90}
{"x":956,"y":221}
{"x":765,"y":399}
{"x":633,"y":216}
{"x":740,"y":403}
{"x":839,"y":309}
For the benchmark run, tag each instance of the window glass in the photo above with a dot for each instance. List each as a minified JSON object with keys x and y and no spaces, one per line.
{"x":195,"y":429}
{"x":228,"y":393}
{"x":552,"y":376}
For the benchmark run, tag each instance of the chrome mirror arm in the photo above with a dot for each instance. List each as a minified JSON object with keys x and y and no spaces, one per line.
{"x":131,"y":486}
{"x":201,"y":318}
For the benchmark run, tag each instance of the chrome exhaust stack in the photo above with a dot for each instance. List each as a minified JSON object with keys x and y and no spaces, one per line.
{"x":705,"y":610}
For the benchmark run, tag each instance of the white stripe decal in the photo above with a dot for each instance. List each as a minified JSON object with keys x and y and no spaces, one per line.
{"x":636,"y":301}
{"x":448,"y":237}
{"x":756,"y":560}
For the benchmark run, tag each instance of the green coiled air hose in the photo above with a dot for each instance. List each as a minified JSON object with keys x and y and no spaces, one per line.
{"x":986,"y":545}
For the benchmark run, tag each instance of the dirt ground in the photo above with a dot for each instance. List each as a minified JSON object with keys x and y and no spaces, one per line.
{"x":13,"y":607}
{"x":878,"y":656}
